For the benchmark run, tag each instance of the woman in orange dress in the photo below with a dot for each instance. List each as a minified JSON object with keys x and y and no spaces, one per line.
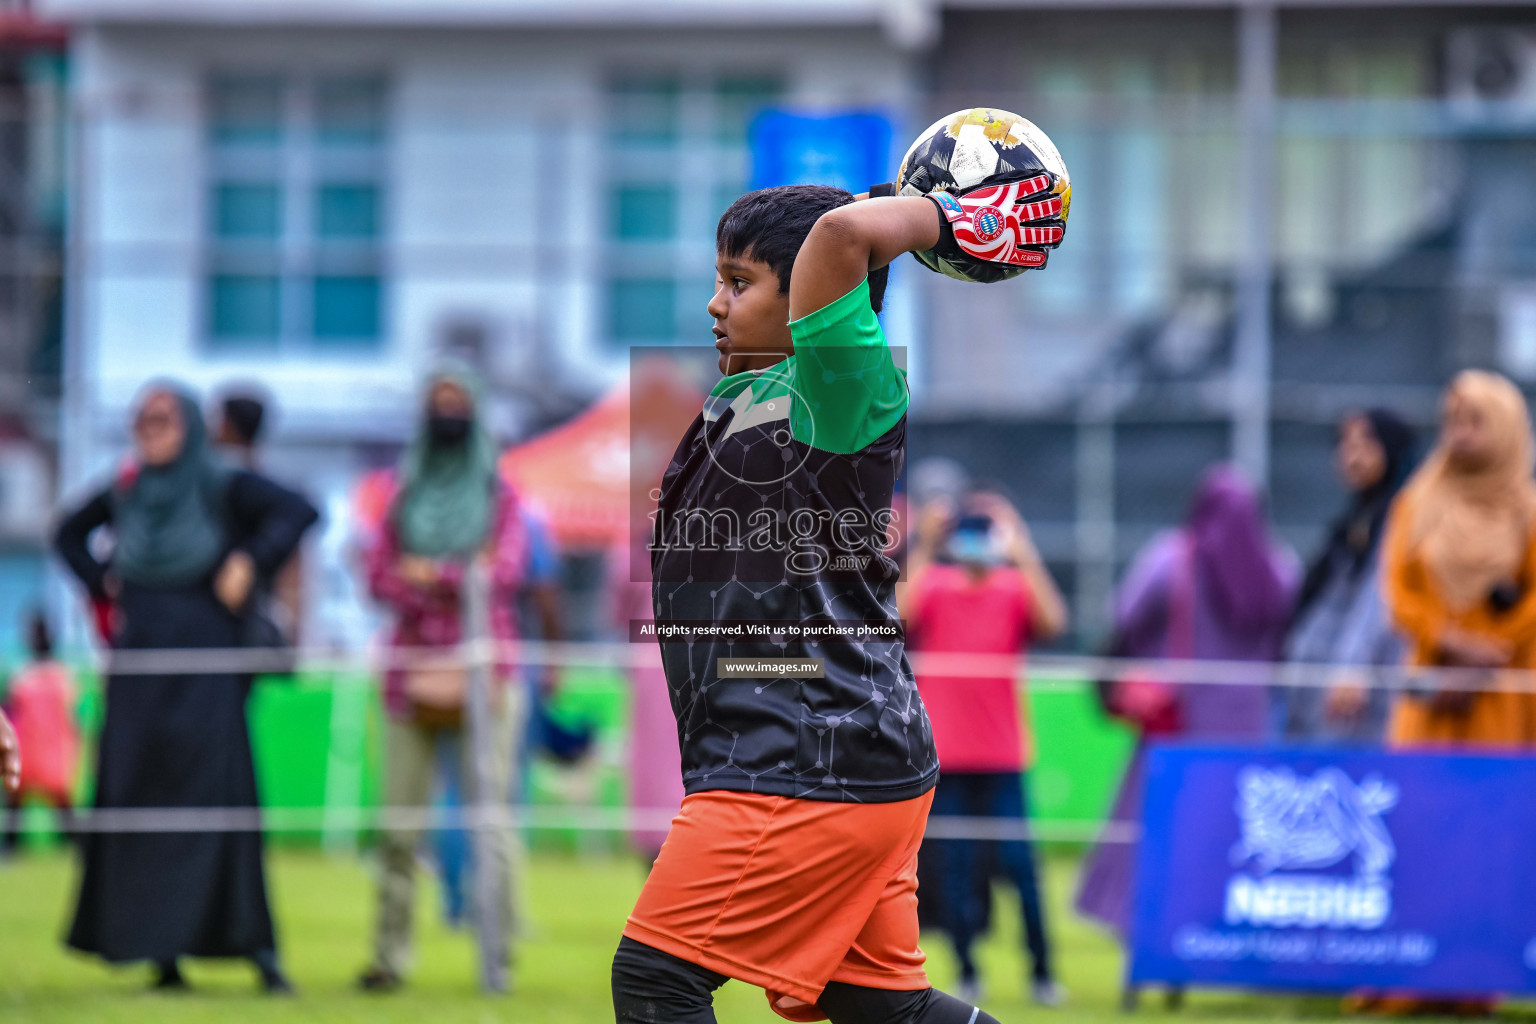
{"x":1460,"y":571}
{"x":1460,"y":579}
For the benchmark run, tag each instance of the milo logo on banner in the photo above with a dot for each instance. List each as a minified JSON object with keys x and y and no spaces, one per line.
{"x":1296,"y":832}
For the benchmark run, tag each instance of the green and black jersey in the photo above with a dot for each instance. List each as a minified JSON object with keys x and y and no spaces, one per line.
{"x":774,"y":511}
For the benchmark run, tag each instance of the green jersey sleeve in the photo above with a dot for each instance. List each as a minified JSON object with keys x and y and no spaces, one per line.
{"x":848,"y":390}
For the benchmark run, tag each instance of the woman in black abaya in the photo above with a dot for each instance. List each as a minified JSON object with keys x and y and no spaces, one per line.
{"x":189,"y":539}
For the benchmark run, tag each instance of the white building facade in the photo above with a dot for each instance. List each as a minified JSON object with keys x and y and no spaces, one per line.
{"x":323,"y":200}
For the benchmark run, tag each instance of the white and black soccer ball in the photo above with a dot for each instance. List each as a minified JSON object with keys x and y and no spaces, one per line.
{"x":973,"y":148}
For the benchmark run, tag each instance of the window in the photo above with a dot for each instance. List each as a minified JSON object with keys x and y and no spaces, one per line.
{"x":346,"y":307}
{"x":678,"y":157}
{"x":644,"y":212}
{"x":245,"y":307}
{"x":349,"y":111}
{"x":347,"y":211}
{"x":737,"y":101}
{"x":646,"y":110}
{"x":295,"y":216}
{"x":247,"y":111}
{"x":248,"y":210}
{"x":642,"y":309}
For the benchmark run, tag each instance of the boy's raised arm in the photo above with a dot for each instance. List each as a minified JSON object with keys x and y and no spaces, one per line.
{"x":850,"y":241}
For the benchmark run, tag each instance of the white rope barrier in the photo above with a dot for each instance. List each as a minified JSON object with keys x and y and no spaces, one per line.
{"x":1050,"y":673}
{"x":278,"y":820}
{"x":1042,"y":671}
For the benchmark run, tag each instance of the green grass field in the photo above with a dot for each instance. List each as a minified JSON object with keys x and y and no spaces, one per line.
{"x":575,"y":910}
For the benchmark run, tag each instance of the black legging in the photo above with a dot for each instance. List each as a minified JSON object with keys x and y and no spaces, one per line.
{"x":652,"y":987}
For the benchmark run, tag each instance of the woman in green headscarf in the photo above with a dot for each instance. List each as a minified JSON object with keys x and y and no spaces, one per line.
{"x":189,"y":538}
{"x":447,"y":488}
{"x":450,"y":508}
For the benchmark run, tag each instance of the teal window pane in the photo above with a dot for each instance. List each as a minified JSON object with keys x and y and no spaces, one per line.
{"x":248,"y":210}
{"x":244,"y":306}
{"x":738,"y":100}
{"x":644,"y":110}
{"x":346,"y":307}
{"x":246,"y":110}
{"x":725,"y":195}
{"x":347,"y":211}
{"x":695,"y":312}
{"x":350,"y":111}
{"x":644,"y":212}
{"x":642,"y":309}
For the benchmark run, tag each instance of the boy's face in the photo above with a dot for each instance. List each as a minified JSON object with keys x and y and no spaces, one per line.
{"x":751,"y":315}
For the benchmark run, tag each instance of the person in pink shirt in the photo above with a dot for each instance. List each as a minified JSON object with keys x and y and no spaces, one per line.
{"x":977,"y":594}
{"x":41,"y":703}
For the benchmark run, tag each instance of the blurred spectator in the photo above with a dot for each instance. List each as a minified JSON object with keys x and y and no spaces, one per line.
{"x":1459,"y":561}
{"x":1218,"y":588}
{"x":1340,"y":618}
{"x":190,"y":539}
{"x":41,"y":702}
{"x":539,"y":609}
{"x":10,"y":756}
{"x":655,"y":773}
{"x":1458,"y":558}
{"x":449,"y":508}
{"x":242,"y":415}
{"x":976,"y":586}
{"x":279,"y":598}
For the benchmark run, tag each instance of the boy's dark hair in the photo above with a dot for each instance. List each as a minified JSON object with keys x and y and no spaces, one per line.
{"x":39,"y":637}
{"x":771,"y":224}
{"x":243,"y":413}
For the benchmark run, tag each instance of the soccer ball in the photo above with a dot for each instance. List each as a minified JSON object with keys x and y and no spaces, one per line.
{"x":967,"y":149}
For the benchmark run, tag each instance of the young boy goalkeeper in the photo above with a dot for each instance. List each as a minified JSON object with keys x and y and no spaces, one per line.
{"x":792,"y":864}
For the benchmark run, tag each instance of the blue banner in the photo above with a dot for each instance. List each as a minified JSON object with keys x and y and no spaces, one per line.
{"x":1332,"y":871}
{"x":848,"y":150}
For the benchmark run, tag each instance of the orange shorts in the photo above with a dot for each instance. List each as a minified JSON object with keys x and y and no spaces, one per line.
{"x":789,"y":894}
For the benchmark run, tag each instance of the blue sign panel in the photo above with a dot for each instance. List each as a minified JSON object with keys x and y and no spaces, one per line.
{"x":1331,"y":871}
{"x":848,"y":150}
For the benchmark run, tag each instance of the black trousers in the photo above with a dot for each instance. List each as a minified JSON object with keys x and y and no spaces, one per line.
{"x":986,"y":795}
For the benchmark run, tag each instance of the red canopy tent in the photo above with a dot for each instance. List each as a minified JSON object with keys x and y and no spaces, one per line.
{"x":591,"y":476}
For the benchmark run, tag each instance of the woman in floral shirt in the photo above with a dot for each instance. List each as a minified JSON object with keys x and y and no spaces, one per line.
{"x":449,"y":509}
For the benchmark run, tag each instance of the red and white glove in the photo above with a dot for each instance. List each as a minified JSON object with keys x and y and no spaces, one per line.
{"x":1010,"y":224}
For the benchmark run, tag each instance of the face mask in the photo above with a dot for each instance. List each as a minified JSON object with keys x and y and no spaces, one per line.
{"x":447,"y":431}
